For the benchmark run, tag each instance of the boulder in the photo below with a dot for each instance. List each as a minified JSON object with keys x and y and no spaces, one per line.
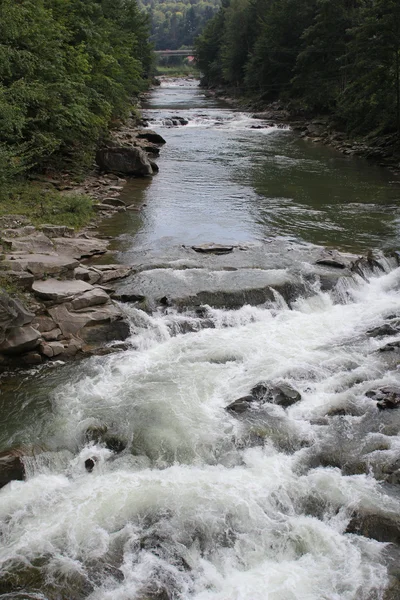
{"x":383,"y":330}
{"x":132,"y":161}
{"x":380,"y":527}
{"x":75,"y":323}
{"x":241,"y":405}
{"x":60,"y":291}
{"x":12,"y":314}
{"x":150,"y":136}
{"x":92,"y":297}
{"x":20,"y":339}
{"x":11,"y":467}
{"x":282,"y":394}
{"x":386,"y":397}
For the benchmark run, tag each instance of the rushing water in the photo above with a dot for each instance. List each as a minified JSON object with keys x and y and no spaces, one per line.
{"x":203,"y":504}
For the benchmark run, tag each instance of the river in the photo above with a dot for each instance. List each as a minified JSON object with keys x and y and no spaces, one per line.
{"x":203,"y":503}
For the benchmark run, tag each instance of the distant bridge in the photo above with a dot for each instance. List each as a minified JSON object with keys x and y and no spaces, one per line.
{"x":187,"y":52}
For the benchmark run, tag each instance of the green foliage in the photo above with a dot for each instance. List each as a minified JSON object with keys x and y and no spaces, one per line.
{"x":68,"y":70}
{"x":335,"y":56}
{"x":176,"y":23}
{"x":47,"y":206}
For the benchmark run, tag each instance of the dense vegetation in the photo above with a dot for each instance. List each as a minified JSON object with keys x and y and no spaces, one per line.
{"x":340,"y":57}
{"x":176,"y":23}
{"x":68,"y":70}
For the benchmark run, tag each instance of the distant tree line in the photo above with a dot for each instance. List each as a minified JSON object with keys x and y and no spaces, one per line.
{"x":340,"y":57}
{"x":68,"y":71}
{"x":176,"y":24}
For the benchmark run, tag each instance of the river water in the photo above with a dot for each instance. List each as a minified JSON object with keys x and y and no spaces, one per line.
{"x":204,"y":504}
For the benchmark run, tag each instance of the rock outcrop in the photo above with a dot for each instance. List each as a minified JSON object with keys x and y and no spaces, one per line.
{"x":127,"y":160}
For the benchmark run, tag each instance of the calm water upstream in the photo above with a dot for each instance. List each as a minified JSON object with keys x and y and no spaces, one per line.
{"x":221,"y":180}
{"x":202,"y":504}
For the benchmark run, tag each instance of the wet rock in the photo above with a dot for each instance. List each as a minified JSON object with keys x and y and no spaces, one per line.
{"x":20,"y":339}
{"x":383,"y":330}
{"x":97,"y":334}
{"x":103,"y":207}
{"x":241,"y":405}
{"x":60,"y":291}
{"x":114,"y":202}
{"x":150,"y":136}
{"x":74,"y":323}
{"x":197,"y":287}
{"x":366,"y":265}
{"x":11,"y":467}
{"x":113,"y":272}
{"x":129,"y":160}
{"x":283,"y":394}
{"x":90,"y":463}
{"x":386,"y":397}
{"x":213,"y":249}
{"x":378,"y":526}
{"x":114,"y":443}
{"x":154,"y":166}
{"x":331,"y":262}
{"x":391,"y":347}
{"x":128,"y":297}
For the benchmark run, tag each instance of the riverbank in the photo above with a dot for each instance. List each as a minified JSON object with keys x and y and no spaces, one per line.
{"x":56,"y":305}
{"x":383,"y":150}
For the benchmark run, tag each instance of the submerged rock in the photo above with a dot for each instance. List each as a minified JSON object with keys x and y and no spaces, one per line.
{"x":241,"y":405}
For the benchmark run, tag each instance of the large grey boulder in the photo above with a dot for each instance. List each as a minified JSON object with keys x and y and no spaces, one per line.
{"x":40,"y":265}
{"x":20,"y":339}
{"x":12,"y":314}
{"x":132,"y":161}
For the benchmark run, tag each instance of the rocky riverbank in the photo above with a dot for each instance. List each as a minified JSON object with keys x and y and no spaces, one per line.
{"x":53,"y":303}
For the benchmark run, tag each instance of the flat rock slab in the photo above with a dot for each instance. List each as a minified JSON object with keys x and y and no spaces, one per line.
{"x":193,"y":287}
{"x":80,"y":247}
{"x":35,"y":243}
{"x":213,"y":249}
{"x":42,"y":264}
{"x":60,"y":291}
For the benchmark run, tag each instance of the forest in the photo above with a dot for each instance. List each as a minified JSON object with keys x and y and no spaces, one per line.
{"x":176,"y":24}
{"x":69,"y":70}
{"x":339,"y":57}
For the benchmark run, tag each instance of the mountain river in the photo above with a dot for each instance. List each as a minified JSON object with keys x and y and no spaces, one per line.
{"x":278,"y":502}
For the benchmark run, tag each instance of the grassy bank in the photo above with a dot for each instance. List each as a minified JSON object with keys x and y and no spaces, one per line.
{"x":43,"y":205}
